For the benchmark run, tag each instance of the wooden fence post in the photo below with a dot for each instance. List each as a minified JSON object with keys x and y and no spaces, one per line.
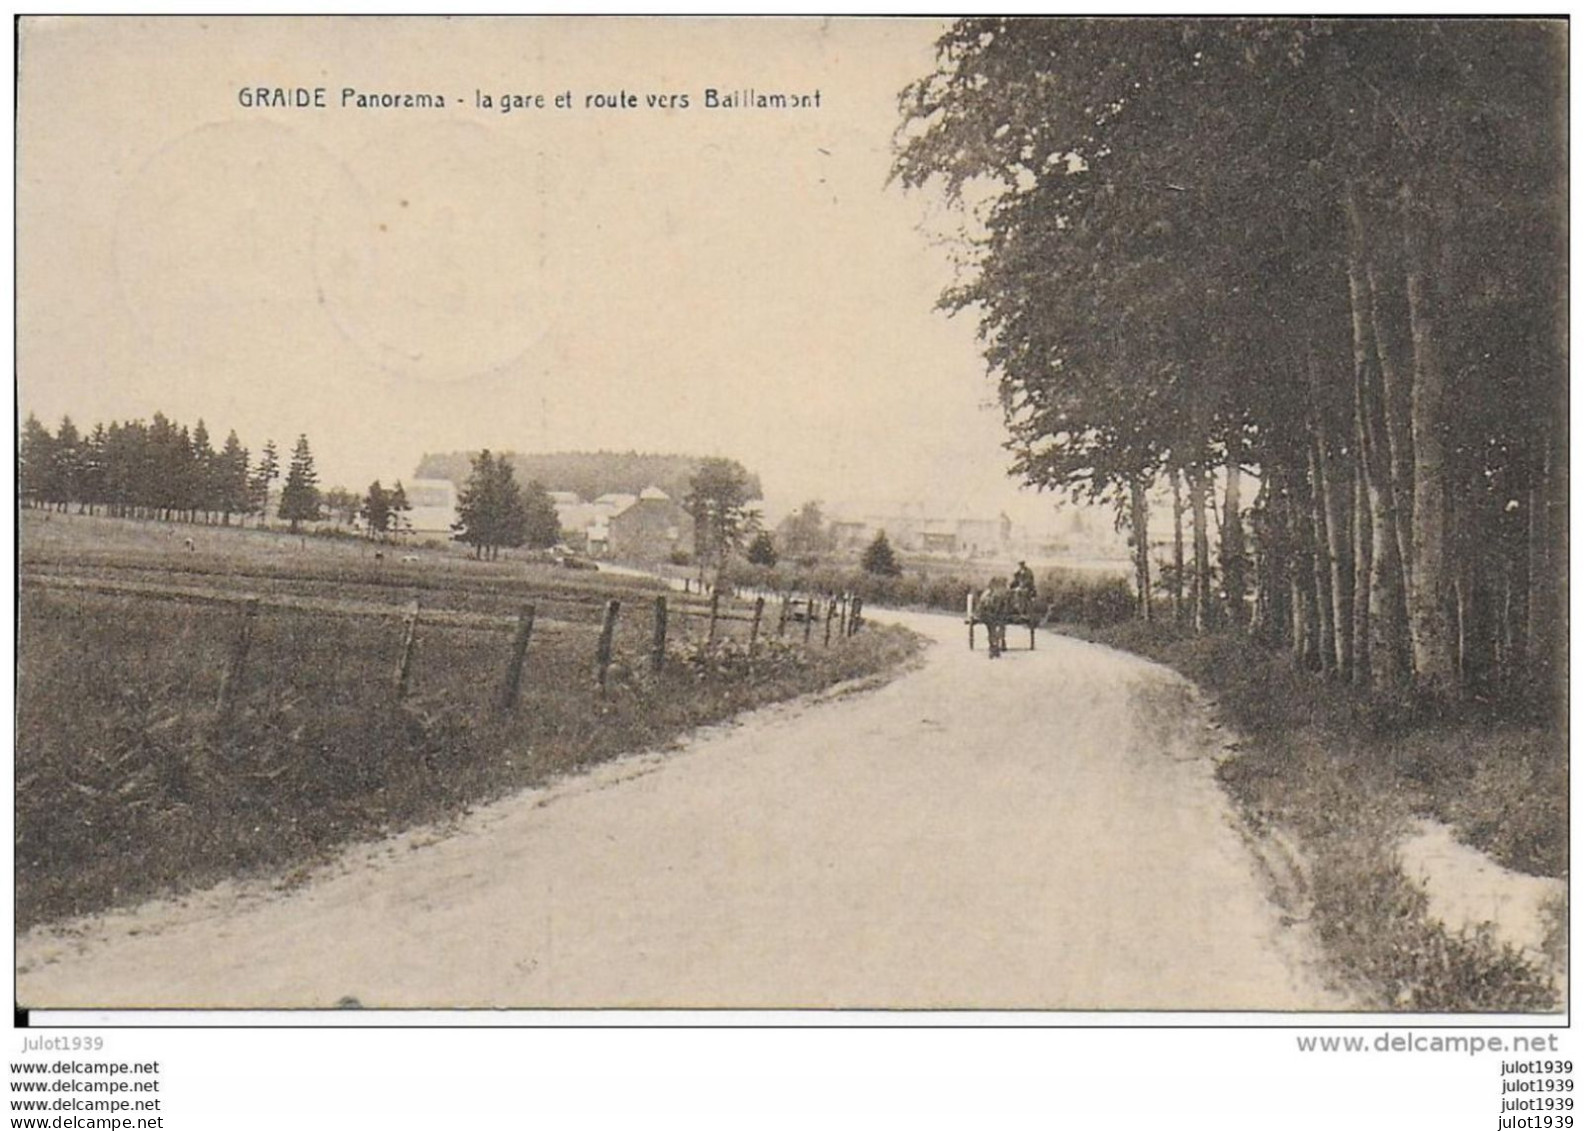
{"x":830,"y":614}
{"x":810,"y":611}
{"x":404,"y":661}
{"x":607,"y":633}
{"x":519,"y":652}
{"x":753,"y":633}
{"x":842,"y":620}
{"x":781,"y":623}
{"x":231,"y":681}
{"x":657,"y":650}
{"x":856,"y":619}
{"x":714,"y":614}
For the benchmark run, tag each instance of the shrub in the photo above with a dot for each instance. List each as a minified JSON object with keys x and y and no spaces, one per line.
{"x":1090,"y":599}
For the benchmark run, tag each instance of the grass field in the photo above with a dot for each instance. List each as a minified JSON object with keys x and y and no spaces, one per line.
{"x":131,"y":783}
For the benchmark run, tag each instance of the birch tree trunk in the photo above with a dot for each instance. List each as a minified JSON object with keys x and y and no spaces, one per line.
{"x":1177,"y":546}
{"x":1299,"y":575}
{"x":1394,"y":439}
{"x":1326,"y":649}
{"x":1435,"y":666}
{"x":1333,"y":498}
{"x":1198,"y":489}
{"x":1138,"y":507}
{"x":1538,"y":613}
{"x":1363,"y":567}
{"x":1388,"y":663}
{"x":1232,"y":551}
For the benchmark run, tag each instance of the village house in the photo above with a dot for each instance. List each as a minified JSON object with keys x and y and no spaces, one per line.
{"x":648,"y":527}
{"x":917,"y":528}
{"x":651,"y":528}
{"x":434,"y":507}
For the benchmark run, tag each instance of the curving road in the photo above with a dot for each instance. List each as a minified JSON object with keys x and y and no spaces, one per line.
{"x":1039,"y":832}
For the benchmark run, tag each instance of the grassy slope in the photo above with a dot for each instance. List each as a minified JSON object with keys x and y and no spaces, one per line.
{"x":1342,"y":776}
{"x":128,"y":785}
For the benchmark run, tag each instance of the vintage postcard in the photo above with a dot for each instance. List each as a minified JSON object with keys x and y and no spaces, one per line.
{"x":1055,"y":516}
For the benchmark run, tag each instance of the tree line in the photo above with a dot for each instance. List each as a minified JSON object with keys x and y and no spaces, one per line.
{"x":1324,"y":259}
{"x":159,"y":469}
{"x":588,"y":474}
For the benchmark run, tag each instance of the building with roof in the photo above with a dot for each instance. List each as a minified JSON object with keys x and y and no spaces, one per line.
{"x":434,"y":507}
{"x":651,"y":528}
{"x":647,"y":527}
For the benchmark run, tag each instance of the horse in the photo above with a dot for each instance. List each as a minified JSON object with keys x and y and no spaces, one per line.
{"x":995,"y":608}
{"x":991,"y":607}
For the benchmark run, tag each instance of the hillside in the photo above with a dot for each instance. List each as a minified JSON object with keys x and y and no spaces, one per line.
{"x":590,"y":474}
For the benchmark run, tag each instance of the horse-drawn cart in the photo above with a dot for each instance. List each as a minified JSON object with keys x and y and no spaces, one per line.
{"x":997,"y":608}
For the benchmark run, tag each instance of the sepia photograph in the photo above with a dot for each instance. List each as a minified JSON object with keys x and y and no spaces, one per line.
{"x":806,"y":518}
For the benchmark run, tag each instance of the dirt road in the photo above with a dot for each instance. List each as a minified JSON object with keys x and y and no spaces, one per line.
{"x":1041,"y":832}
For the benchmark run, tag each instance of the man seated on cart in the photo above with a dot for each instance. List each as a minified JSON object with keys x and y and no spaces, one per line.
{"x":1022,"y":589}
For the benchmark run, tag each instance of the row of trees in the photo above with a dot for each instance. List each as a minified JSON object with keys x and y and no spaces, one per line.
{"x":1324,"y":255}
{"x":159,"y":469}
{"x":587,"y":474}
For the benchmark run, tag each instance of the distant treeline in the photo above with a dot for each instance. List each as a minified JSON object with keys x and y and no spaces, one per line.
{"x":589,"y":474}
{"x":157,"y":469}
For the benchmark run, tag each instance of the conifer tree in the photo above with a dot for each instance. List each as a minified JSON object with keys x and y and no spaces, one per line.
{"x":300,"y":496}
{"x":878,"y":557}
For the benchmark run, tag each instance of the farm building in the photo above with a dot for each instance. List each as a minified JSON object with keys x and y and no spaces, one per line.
{"x":918,"y":529}
{"x":649,"y":529}
{"x":434,"y":507}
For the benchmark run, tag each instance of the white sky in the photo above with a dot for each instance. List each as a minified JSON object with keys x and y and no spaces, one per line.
{"x":398,"y":281}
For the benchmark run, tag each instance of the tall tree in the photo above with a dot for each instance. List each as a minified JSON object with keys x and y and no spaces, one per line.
{"x":490,"y":509}
{"x":541,"y":523}
{"x":300,"y":498}
{"x":231,"y":467}
{"x":1283,"y":245}
{"x":717,"y":499}
{"x":376,"y":510}
{"x":202,"y":473}
{"x":342,"y":506}
{"x":264,"y":476}
{"x":803,"y":533}
{"x":66,"y":477}
{"x":35,"y":461}
{"x":400,"y":510}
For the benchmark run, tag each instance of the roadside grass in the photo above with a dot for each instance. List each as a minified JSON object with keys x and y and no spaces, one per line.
{"x":1342,"y":774}
{"x":129,"y":785}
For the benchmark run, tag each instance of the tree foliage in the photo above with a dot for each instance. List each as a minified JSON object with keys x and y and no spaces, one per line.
{"x":588,"y":474}
{"x":491,"y":511}
{"x":134,"y":469}
{"x":762,"y":551}
{"x":300,"y":496}
{"x":804,"y":532}
{"x":376,"y":510}
{"x":879,"y":558}
{"x":717,"y":498}
{"x":1321,"y":251}
{"x":541,"y":525}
